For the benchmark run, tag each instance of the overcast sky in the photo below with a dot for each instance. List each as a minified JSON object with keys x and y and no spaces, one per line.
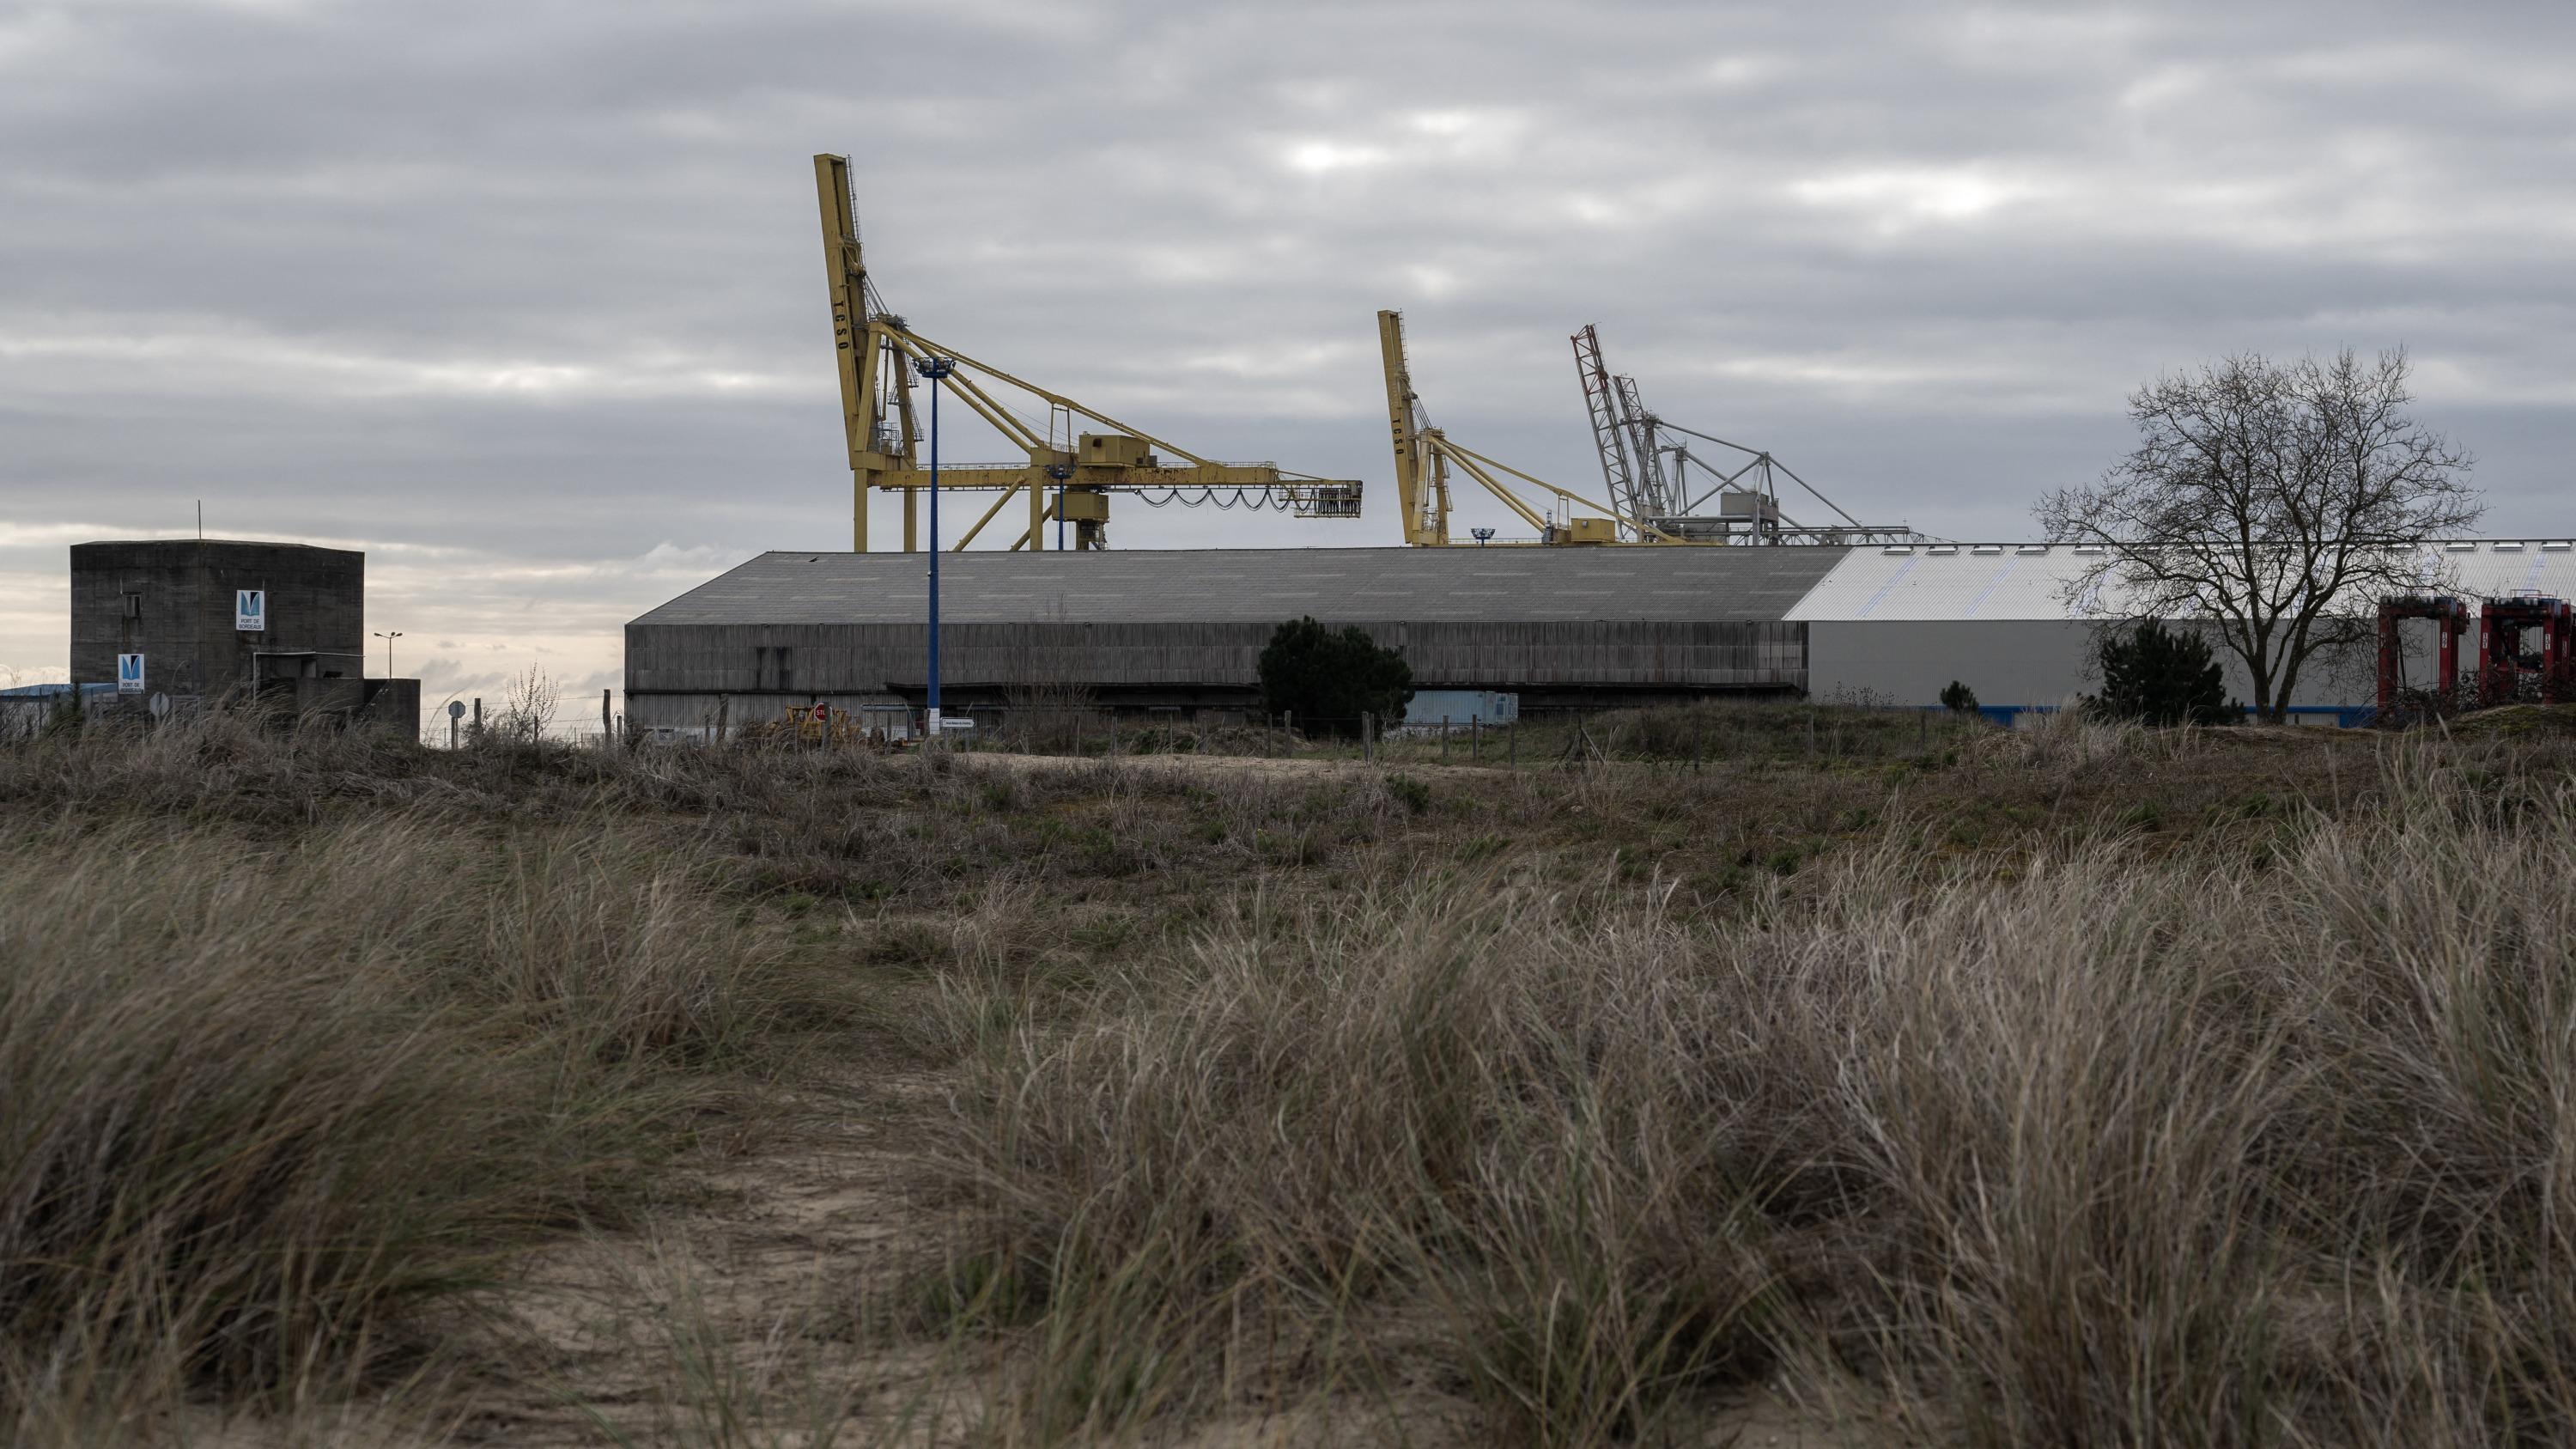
{"x":526,"y":298}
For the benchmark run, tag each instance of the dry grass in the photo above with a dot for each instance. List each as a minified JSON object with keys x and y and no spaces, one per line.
{"x":2109,"y":1148}
{"x":2077,"y":1085}
{"x":271,"y":1097}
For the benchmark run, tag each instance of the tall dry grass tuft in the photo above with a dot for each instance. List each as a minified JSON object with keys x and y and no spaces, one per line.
{"x":2111,"y":1147}
{"x":2072,"y":737}
{"x":1333,"y":1107}
{"x":267,"y":1101}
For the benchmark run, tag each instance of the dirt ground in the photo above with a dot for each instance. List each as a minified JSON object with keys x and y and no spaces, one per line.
{"x":735,"y":1316}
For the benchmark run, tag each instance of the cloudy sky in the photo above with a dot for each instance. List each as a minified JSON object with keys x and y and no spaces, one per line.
{"x":526,"y":298}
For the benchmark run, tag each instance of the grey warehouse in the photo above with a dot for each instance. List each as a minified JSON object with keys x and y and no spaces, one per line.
{"x":1183,"y":629}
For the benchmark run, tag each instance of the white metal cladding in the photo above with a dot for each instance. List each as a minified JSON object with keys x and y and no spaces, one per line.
{"x":2021,"y":662}
{"x":2028,"y":581}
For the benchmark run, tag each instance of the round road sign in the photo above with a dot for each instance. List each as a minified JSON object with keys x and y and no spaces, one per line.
{"x":456,"y":709}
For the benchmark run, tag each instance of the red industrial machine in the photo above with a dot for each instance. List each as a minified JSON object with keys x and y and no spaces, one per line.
{"x":2508,"y":672}
{"x":2450,"y":618}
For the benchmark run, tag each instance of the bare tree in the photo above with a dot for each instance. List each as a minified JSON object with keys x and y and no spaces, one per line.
{"x":529,"y":710}
{"x":2271,"y":501}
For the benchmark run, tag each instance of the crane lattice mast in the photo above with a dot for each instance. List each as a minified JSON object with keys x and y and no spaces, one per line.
{"x":1610,"y":433}
{"x":1660,"y":502}
{"x":1640,"y":428}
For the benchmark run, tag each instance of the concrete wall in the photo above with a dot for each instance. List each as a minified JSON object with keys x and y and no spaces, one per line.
{"x":698,"y":716}
{"x":392,"y":705}
{"x":171,"y":600}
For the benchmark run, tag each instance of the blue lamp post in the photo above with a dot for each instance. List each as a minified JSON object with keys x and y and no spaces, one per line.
{"x":934,"y":368}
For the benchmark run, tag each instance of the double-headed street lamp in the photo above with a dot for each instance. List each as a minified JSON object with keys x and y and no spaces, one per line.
{"x":934,"y":368}
{"x":389,"y":636}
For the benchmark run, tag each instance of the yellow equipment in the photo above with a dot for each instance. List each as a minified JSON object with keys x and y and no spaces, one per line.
{"x":1081,"y":469}
{"x":1424,"y":455}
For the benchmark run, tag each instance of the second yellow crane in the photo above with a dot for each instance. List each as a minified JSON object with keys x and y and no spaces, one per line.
{"x":1424,"y":456}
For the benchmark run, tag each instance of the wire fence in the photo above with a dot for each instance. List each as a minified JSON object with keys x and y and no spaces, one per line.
{"x":1676,"y":735}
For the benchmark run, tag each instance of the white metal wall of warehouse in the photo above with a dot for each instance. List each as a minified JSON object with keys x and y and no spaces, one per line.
{"x":1900,"y":623}
{"x":1983,"y":581}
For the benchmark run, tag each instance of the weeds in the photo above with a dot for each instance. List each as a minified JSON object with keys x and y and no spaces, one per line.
{"x":266,"y":1101}
{"x":2077,"y":1156}
{"x":2076,"y":1085}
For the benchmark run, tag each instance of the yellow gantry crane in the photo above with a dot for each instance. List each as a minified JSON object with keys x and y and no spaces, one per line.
{"x":1652,"y":500}
{"x":1069,"y":474}
{"x":1424,"y":456}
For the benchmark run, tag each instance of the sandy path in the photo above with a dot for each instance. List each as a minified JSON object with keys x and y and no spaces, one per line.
{"x":731,"y":1314}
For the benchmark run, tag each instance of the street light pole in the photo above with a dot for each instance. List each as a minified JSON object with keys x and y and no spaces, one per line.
{"x":389,"y":636}
{"x":934,"y":368}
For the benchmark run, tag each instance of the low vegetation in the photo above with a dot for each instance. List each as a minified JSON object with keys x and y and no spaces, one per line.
{"x":2160,"y":676}
{"x":1897,"y":1077}
{"x":1332,"y":678}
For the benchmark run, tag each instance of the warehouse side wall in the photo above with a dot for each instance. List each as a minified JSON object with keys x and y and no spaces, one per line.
{"x":671,"y":670}
{"x":2006,"y":661}
{"x":2019,"y":662}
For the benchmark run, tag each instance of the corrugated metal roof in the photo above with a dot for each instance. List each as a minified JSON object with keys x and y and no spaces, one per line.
{"x":1459,"y":584}
{"x":1944,"y":582}
{"x":2031,"y":581}
{"x":1474,"y":585}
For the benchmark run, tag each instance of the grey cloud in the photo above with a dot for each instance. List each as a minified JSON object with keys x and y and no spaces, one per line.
{"x":537,"y":283}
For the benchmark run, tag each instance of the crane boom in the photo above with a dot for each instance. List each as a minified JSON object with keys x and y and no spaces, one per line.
{"x":1424,"y":455}
{"x":1425,"y":512}
{"x":1609,"y":435}
{"x":1639,"y":425}
{"x":877,"y":352}
{"x":1663,"y":504}
{"x":846,"y":271}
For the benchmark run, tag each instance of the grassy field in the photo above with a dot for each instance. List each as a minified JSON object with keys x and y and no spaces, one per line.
{"x":1852,"y":1080}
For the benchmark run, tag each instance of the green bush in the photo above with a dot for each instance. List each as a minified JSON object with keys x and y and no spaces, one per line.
{"x":1328,"y":679}
{"x":2160,"y":676}
{"x":1959,"y":698}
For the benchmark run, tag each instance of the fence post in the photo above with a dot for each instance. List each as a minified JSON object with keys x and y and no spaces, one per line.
{"x":1365,"y":755}
{"x":1512,"y":744}
{"x":607,"y":726}
{"x":1475,"y":738}
{"x":1288,"y":727}
{"x":1444,"y":739}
